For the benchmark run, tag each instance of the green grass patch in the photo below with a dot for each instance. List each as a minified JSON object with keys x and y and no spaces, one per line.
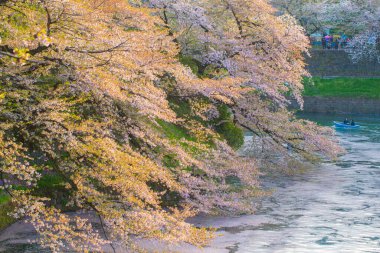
{"x":51,"y":182}
{"x":175,"y":132}
{"x":53,"y":186}
{"x":190,"y":62}
{"x":225,"y":126}
{"x":5,"y":219}
{"x":343,"y":87}
{"x":5,"y":207}
{"x":4,"y":198}
{"x":171,"y":161}
{"x":233,"y":134}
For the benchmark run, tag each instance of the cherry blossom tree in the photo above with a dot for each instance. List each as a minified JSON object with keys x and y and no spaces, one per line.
{"x":357,"y":18}
{"x":307,"y":13}
{"x":362,"y":20}
{"x":93,"y":94}
{"x":262,"y":48}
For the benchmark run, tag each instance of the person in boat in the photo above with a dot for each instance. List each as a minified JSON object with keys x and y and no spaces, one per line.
{"x":346,"y":122}
{"x":352,"y":123}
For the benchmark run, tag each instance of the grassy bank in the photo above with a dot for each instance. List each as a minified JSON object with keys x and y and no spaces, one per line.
{"x":343,"y":87}
{"x":5,"y":208}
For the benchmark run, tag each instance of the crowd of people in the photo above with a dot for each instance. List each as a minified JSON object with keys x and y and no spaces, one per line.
{"x":331,"y":41}
{"x":334,"y":41}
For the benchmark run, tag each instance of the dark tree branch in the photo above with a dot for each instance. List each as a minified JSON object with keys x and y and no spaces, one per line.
{"x":48,"y":21}
{"x":19,"y":58}
{"x":234,"y":14}
{"x":14,"y":9}
{"x":4,"y":184}
{"x":108,"y":50}
{"x":104,"y":231}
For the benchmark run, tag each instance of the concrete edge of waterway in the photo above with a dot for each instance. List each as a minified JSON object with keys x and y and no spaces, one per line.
{"x":339,"y":105}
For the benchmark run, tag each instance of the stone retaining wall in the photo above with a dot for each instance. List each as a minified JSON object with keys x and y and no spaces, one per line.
{"x":334,"y":105}
{"x":332,"y":63}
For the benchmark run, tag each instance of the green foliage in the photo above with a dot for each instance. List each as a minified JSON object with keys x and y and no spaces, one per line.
{"x":181,"y":107}
{"x":208,"y":71}
{"x":195,"y":171}
{"x":235,"y":184}
{"x":5,"y":219}
{"x":48,"y":82}
{"x":178,"y":133}
{"x":233,"y":180}
{"x":51,"y":182}
{"x":224,"y":125}
{"x":174,"y":132}
{"x":5,"y":208}
{"x":191,"y":63}
{"x":343,"y":87}
{"x":212,"y":71}
{"x":4,"y":198}
{"x":224,"y":113}
{"x":3,"y":32}
{"x":18,"y":20}
{"x":171,"y":161}
{"x":183,"y":110}
{"x":233,"y":134}
{"x":169,"y":198}
{"x":54,"y":187}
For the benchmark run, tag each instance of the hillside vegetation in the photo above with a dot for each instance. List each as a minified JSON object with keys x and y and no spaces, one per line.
{"x":134,"y":111}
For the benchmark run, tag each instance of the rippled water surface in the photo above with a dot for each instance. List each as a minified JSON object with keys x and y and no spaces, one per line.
{"x":333,"y":208}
